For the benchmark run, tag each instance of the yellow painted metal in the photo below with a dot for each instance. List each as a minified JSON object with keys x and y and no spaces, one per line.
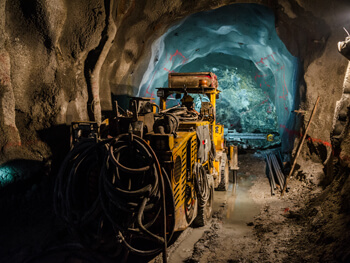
{"x":181,"y":140}
{"x":186,"y":143}
{"x":179,"y":185}
{"x":269,"y":137}
{"x":192,"y":124}
{"x":162,"y":103}
{"x":233,"y":157}
{"x":171,"y":142}
{"x":217,"y":165}
{"x":218,"y":137}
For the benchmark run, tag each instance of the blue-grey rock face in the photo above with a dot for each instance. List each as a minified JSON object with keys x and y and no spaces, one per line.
{"x":257,"y":75}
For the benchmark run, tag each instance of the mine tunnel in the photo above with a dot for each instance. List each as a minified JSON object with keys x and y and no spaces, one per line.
{"x":258,"y":76}
{"x":174,"y":131}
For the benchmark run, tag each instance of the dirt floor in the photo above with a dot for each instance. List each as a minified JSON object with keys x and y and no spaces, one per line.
{"x":308,"y":224}
{"x":250,"y":225}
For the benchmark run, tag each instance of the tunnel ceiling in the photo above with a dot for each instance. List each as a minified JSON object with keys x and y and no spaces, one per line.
{"x":48,"y":50}
{"x":257,"y":74}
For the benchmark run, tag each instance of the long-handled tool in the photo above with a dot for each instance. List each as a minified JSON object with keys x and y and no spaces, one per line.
{"x":301,"y":145}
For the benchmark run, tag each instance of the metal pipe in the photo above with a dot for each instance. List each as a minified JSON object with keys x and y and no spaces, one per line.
{"x":272,"y":181}
{"x":278,"y":169}
{"x":271,"y":175}
{"x":246,"y":136}
{"x":279,"y":179}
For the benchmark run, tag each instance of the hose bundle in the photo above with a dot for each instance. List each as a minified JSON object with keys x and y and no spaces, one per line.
{"x":116,"y":188}
{"x":169,"y":120}
{"x":76,"y":197}
{"x":168,"y":123}
{"x":183,"y":113}
{"x":201,"y":184}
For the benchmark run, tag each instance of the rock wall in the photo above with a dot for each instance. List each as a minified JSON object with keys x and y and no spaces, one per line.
{"x":48,"y":50}
{"x":44,"y":44}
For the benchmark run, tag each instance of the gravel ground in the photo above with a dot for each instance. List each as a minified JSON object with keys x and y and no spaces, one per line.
{"x":308,"y":224}
{"x":250,"y":225}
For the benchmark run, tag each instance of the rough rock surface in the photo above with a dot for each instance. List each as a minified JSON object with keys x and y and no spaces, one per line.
{"x":49,"y":47}
{"x":305,"y":225}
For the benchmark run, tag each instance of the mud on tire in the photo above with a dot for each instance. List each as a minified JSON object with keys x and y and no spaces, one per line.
{"x":205,"y":209}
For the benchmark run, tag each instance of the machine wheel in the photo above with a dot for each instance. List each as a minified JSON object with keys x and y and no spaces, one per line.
{"x":205,"y":210}
{"x":224,"y":174}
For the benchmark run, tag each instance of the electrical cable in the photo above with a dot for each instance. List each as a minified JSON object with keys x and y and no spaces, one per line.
{"x":183,"y":113}
{"x":132,"y":194}
{"x":201,"y":184}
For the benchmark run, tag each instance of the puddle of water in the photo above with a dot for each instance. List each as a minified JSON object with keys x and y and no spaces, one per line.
{"x":240,"y":207}
{"x":185,"y":249}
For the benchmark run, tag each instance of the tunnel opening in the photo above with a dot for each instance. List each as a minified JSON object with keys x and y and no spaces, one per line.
{"x":258,"y":77}
{"x":259,"y":90}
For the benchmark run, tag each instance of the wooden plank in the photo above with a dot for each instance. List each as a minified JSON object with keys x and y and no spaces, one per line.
{"x":301,"y":146}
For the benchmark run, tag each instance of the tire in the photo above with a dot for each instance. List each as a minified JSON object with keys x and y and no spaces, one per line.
{"x":224,"y":174}
{"x":205,"y":211}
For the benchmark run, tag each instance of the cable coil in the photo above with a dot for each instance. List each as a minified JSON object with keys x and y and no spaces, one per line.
{"x":201,"y":184}
{"x":117,"y":188}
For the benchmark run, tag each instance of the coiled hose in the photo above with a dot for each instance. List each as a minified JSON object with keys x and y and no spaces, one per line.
{"x":114,"y":191}
{"x":183,"y":113}
{"x":169,"y":120}
{"x":201,"y":184}
{"x":168,"y":123}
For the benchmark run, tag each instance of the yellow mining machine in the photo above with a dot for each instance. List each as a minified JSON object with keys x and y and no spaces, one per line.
{"x":146,"y":172}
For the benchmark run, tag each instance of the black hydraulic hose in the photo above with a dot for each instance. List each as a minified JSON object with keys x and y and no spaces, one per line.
{"x":145,"y":194}
{"x":132,"y":192}
{"x":176,"y":107}
{"x":76,"y":198}
{"x":183,"y":113}
{"x":152,"y":252}
{"x":63,"y":195}
{"x":174,"y":120}
{"x":189,"y":116}
{"x":165,"y":245}
{"x":167,"y":123}
{"x":201,"y":184}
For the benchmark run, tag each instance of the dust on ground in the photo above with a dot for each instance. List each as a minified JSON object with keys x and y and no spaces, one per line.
{"x":250,"y":225}
{"x":308,"y":224}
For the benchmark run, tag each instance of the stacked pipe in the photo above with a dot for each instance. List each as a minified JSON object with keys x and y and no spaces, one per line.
{"x":275,"y":173}
{"x":270,"y":175}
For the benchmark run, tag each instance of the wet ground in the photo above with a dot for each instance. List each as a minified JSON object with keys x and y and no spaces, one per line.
{"x":233,"y":216}
{"x":249,"y":225}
